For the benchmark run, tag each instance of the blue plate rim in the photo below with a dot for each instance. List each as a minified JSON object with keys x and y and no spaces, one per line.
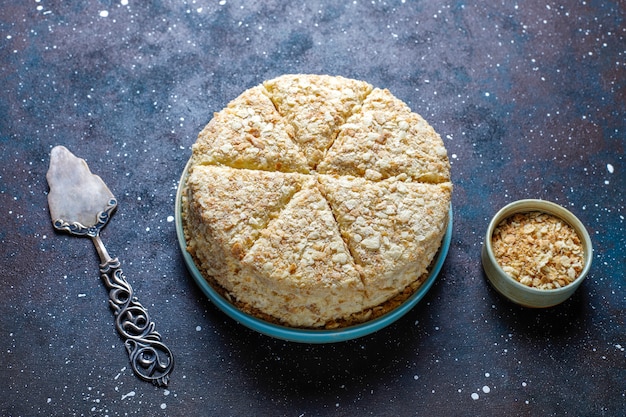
{"x":306,"y":335}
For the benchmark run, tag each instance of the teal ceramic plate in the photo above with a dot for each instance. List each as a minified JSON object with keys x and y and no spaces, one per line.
{"x":306,"y":335}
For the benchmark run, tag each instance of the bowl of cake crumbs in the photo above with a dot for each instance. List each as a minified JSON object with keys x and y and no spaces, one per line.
{"x":536,"y":253}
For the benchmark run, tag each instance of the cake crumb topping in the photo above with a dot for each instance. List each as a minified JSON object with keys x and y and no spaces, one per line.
{"x":538,"y":250}
{"x":316,"y":201}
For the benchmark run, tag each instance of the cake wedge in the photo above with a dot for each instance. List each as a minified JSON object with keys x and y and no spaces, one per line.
{"x":393,"y":228}
{"x":306,"y":273}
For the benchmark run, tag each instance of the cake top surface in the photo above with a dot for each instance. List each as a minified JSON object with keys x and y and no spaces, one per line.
{"x":314,"y":197}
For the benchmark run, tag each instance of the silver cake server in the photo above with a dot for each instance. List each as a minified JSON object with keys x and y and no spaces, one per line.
{"x":81,"y":204}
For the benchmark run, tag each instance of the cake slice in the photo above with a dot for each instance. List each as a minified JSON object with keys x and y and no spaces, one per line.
{"x":249,"y":133}
{"x":316,"y":106}
{"x":385,"y":139}
{"x":306,"y":272}
{"x":226,"y":210}
{"x":393,"y":228}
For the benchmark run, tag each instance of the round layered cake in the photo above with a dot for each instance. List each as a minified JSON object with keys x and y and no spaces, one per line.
{"x":316,"y":201}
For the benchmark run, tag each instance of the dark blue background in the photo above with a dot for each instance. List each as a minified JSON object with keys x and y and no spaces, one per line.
{"x":529,"y":98}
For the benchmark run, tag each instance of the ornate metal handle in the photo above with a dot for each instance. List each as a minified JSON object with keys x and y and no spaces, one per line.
{"x":150,"y":359}
{"x":85,"y":195}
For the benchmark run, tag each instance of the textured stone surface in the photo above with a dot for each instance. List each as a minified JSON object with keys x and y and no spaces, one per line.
{"x":529,"y":98}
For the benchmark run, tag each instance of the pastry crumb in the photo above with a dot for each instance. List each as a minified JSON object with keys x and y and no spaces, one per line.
{"x":538,"y":250}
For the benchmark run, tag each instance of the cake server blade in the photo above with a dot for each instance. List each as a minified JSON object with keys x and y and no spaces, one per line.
{"x":81,"y":204}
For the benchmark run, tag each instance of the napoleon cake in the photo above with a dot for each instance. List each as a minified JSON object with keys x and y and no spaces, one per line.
{"x":316,"y":201}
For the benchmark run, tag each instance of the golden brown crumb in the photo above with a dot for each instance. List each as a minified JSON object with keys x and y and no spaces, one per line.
{"x":538,"y":250}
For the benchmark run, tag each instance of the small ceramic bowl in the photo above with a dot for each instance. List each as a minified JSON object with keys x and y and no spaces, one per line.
{"x":514,"y":290}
